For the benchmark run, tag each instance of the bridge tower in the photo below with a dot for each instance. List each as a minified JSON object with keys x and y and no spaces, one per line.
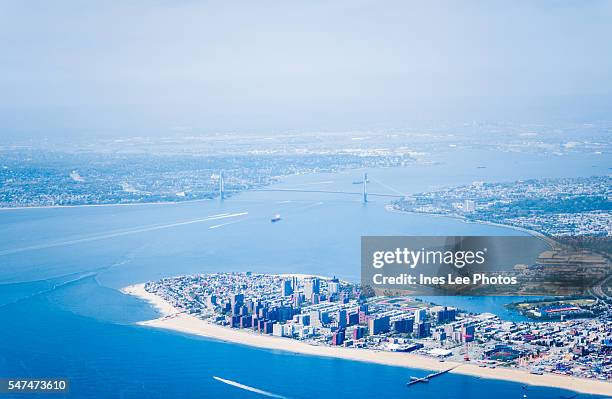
{"x":365,"y":188}
{"x":221,"y":186}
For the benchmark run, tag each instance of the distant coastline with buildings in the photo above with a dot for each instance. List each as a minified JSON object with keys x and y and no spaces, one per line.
{"x":330,"y":317}
{"x":562,"y":207}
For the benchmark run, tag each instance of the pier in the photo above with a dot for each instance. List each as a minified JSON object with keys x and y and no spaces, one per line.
{"x":416,"y":380}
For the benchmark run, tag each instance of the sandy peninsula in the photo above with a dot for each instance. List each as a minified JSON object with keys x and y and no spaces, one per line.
{"x":173,"y":319}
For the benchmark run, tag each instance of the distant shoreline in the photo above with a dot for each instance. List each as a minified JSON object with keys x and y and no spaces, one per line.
{"x":463,"y":219}
{"x":278,"y":178}
{"x":174,"y":320}
{"x":103,"y":205}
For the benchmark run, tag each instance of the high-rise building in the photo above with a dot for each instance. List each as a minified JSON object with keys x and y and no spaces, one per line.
{"x":341,"y":318}
{"x":324,"y":317}
{"x":318,"y":318}
{"x":312,"y":285}
{"x":303,"y":319}
{"x":421,"y":329}
{"x":338,"y":337}
{"x":267,"y":327}
{"x":469,"y":206}
{"x":333,"y":287}
{"x":286,"y":287}
{"x":359,"y":332}
{"x":285,"y":313}
{"x":245,"y":321}
{"x":362,"y":317}
{"x":451,"y":314}
{"x":237,"y":299}
{"x":420,"y":315}
{"x":352,"y":318}
{"x":467,"y":333}
{"x":443,"y":314}
{"x":235,"y":309}
{"x":378,"y":325}
{"x":439,"y":335}
{"x":402,"y":326}
{"x":234,"y":321}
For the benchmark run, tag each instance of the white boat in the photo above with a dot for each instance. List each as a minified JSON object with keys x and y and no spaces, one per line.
{"x":276,"y":218}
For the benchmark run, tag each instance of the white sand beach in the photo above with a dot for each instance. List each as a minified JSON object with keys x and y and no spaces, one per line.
{"x":174,"y":320}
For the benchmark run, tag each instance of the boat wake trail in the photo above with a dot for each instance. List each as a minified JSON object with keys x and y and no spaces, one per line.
{"x":216,"y":226}
{"x":248,"y":388}
{"x":121,"y":233}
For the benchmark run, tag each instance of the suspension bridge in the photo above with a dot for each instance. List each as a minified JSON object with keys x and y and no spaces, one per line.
{"x":363,"y":193}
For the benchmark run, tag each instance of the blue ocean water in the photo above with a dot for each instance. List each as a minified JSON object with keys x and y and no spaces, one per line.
{"x":61,"y":313}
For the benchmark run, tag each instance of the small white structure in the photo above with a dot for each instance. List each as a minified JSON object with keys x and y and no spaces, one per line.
{"x":439,"y":352}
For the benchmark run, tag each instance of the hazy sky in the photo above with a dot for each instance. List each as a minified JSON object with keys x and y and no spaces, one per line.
{"x":125,"y":67}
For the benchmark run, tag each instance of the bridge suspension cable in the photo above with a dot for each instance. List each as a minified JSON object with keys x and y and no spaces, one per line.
{"x":388,"y":187}
{"x":364,"y":193}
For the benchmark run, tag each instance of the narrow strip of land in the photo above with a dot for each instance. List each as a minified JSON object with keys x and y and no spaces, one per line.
{"x":174,"y":320}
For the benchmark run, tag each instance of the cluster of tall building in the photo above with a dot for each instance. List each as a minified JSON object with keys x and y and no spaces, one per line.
{"x":302,"y":308}
{"x":312,"y":307}
{"x":261,"y":316}
{"x":325,"y":310}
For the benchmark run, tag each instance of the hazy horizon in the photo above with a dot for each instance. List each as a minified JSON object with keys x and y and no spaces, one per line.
{"x":110,"y":69}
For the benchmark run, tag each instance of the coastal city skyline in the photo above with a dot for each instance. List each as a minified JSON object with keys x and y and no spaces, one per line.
{"x":331,"y":312}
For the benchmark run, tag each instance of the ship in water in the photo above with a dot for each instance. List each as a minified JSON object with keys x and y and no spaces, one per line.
{"x":276,"y":218}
